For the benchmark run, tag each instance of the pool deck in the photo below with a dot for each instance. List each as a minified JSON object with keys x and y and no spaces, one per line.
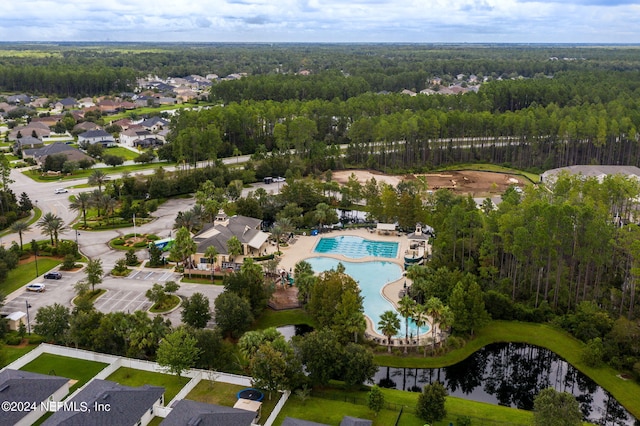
{"x":303,"y":248}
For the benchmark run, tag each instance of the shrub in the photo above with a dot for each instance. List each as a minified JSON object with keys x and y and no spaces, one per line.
{"x":152,"y":237}
{"x":68,"y":263}
{"x":13,"y":339}
{"x":454,"y":342}
{"x":118,"y":242}
{"x":140,"y":244}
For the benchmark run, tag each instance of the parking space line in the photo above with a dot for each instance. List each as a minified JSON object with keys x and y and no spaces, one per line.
{"x":134,"y":274}
{"x":148,"y":275}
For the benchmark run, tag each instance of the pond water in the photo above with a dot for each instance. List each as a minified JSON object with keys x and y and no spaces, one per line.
{"x":512,"y":374}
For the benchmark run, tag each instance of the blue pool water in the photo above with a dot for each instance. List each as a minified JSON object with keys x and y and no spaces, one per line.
{"x":371,"y":277}
{"x":356,"y":247}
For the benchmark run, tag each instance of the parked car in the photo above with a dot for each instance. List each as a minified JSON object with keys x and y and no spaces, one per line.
{"x":61,"y":190}
{"x":39,"y":287}
{"x":53,"y":275}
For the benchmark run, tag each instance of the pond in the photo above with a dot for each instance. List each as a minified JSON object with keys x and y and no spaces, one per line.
{"x":512,"y":374}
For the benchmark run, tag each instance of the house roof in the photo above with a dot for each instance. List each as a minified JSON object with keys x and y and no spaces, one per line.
{"x":54,"y":148}
{"x":242,"y":227}
{"x":354,"y":421}
{"x":154,"y":121}
{"x":187,"y":412}
{"x":292,"y":421}
{"x":98,"y":133}
{"x":126,"y":404}
{"x":15,"y":316}
{"x":23,"y":386}
{"x":28,"y":140}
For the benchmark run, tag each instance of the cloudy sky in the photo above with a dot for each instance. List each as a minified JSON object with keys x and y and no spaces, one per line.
{"x":472,"y":21}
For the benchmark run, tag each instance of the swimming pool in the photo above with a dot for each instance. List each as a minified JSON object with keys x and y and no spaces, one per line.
{"x":356,"y":247}
{"x":371,"y":277}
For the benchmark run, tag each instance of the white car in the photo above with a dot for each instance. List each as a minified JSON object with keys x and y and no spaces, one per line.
{"x":39,"y":287}
{"x":61,"y":190}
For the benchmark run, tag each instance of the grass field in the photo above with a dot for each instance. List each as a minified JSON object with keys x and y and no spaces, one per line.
{"x":79,"y":174}
{"x":131,"y":377}
{"x":26,"y":272}
{"x":72,"y":368}
{"x":329,"y":405}
{"x":271,"y":318}
{"x":125,"y":153}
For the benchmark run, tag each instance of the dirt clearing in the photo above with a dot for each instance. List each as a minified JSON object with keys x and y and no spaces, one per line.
{"x":478,"y":184}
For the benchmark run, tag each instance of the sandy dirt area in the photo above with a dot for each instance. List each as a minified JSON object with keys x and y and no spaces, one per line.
{"x":462,"y":182}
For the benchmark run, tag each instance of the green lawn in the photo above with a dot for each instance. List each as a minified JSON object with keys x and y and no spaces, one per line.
{"x":26,"y":272}
{"x":131,"y":377}
{"x":125,"y":153}
{"x":11,"y":353}
{"x":271,"y":318}
{"x":72,"y":368}
{"x":225,"y":394}
{"x":627,"y":392}
{"x":479,"y":412}
{"x":79,"y":174}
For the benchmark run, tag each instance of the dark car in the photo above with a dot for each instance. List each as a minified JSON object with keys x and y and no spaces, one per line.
{"x":53,"y":275}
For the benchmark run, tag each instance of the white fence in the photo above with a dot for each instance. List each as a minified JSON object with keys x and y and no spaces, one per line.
{"x":114,"y":362}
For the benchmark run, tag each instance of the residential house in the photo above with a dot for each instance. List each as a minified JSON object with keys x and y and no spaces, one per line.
{"x":21,"y":99}
{"x":23,"y":387}
{"x":217,"y":234}
{"x":108,"y":106}
{"x":27,"y":142}
{"x":86,"y":103}
{"x":66,"y":103}
{"x":187,"y":412}
{"x":131,"y":136}
{"x":41,"y":154}
{"x":408,"y":92}
{"x":599,"y":172}
{"x":124,"y":123}
{"x":85,"y":126}
{"x":100,"y":136}
{"x":39,"y":103}
{"x":48,"y":120}
{"x":111,"y":404}
{"x":37,"y":130}
{"x":154,"y":124}
{"x":354,"y":421}
{"x":292,"y":421}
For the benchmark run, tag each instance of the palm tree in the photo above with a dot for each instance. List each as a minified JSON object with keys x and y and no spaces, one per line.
{"x":81,"y":203}
{"x":234,"y":247}
{"x":98,"y":177}
{"x":20,"y":227}
{"x":434,"y":308}
{"x":211,"y":253}
{"x":406,"y":306}
{"x":321,"y":214}
{"x":277,"y":232}
{"x":109,"y":203}
{"x":419,"y":316}
{"x":51,"y":225}
{"x":187,"y":219}
{"x":389,"y":324}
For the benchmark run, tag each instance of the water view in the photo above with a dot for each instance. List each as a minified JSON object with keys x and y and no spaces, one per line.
{"x":512,"y":374}
{"x":371,"y":277}
{"x":356,"y":247}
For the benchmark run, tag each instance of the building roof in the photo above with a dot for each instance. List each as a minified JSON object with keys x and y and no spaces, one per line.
{"x":23,"y":386}
{"x":354,"y":421}
{"x":242,"y":227}
{"x":126,"y":404}
{"x":15,"y":316}
{"x":28,"y":141}
{"x":54,"y":148}
{"x":97,"y":133}
{"x":187,"y":412}
{"x":593,"y":171}
{"x":292,"y":421}
{"x":154,"y":121}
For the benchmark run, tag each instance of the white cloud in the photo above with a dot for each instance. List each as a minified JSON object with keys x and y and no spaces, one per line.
{"x":316,"y":21}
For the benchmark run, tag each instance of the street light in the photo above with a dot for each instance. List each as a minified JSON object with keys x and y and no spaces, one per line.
{"x":28,"y":321}
{"x":77,"y":237}
{"x":35,"y":253}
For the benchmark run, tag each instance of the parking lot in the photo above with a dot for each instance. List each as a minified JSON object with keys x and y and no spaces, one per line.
{"x":156,"y":276}
{"x":123,"y":301}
